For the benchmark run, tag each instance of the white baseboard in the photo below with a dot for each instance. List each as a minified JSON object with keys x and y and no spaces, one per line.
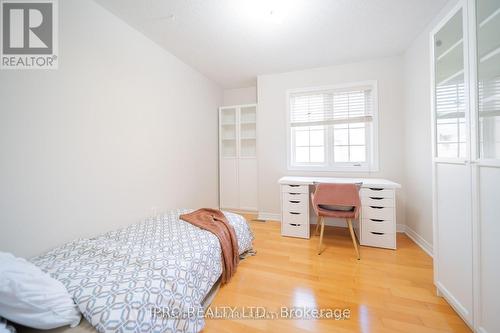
{"x":455,"y":304}
{"x":269,"y":216}
{"x":419,"y":240}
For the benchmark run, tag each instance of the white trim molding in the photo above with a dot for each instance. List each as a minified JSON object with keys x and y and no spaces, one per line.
{"x":419,"y":240}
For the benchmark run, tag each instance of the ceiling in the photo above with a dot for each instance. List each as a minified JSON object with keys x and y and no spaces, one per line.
{"x":233,"y":41}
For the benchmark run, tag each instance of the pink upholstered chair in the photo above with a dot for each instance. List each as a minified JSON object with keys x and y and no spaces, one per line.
{"x":337,"y":201}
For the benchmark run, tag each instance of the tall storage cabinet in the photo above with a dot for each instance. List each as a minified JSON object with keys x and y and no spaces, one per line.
{"x":238,"y":157}
{"x":466,"y":161}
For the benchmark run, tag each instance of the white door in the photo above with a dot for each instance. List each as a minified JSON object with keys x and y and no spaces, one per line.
{"x":488,"y":319}
{"x":248,"y":183}
{"x":452,"y":172}
{"x":486,"y":150}
{"x":453,"y":242}
{"x":229,"y":188}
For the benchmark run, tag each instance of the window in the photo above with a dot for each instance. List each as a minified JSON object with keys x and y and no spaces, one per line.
{"x":333,"y":128}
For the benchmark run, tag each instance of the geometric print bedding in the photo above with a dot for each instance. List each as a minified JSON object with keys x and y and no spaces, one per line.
{"x":147,"y":277}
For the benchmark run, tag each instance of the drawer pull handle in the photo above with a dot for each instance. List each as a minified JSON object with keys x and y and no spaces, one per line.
{"x":376,"y":220}
{"x":294,"y":201}
{"x":294,"y":185}
{"x":294,"y":193}
{"x":294,"y":213}
{"x":376,"y":189}
{"x":295,"y":224}
{"x":377,"y":233}
{"x":376,"y":198}
{"x":376,"y":207}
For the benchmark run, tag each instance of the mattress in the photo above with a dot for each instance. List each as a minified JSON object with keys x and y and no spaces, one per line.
{"x":148,"y":277}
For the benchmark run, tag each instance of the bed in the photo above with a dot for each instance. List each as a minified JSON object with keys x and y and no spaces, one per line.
{"x":140,"y":278}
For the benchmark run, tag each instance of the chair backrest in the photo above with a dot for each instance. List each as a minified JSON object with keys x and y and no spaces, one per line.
{"x":337,"y":194}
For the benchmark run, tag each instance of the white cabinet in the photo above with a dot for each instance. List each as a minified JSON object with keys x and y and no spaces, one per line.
{"x":238,"y":157}
{"x":466,"y":161}
{"x":378,"y":217}
{"x":295,"y":210}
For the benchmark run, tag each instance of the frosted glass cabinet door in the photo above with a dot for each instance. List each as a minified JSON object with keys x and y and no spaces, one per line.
{"x":452,"y":173}
{"x":450,"y":106}
{"x":488,"y":167}
{"x":488,"y":75}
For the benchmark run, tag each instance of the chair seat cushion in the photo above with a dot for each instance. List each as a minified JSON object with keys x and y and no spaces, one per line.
{"x":337,"y":208}
{"x":339,"y":214}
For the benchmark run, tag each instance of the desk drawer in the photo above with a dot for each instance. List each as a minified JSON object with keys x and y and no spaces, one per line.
{"x":377,"y":201}
{"x":290,"y":188}
{"x":295,"y":217}
{"x":380,"y":226}
{"x":379,"y":213}
{"x":376,"y":192}
{"x":301,"y":197}
{"x":298,"y":206}
{"x":378,"y":239}
{"x":295,"y":230}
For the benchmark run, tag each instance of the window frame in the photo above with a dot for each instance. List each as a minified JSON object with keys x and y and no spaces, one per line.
{"x":372,"y":163}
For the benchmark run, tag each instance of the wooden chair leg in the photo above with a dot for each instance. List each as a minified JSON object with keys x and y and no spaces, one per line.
{"x":353,"y":236}
{"x":318,"y":220}
{"x":322,"y":221}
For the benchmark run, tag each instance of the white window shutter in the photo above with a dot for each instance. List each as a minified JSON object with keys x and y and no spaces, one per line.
{"x":331,"y":107}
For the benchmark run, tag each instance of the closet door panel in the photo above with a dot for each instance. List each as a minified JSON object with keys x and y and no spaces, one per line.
{"x":487,"y":164}
{"x":248,"y":183}
{"x":489,"y":248}
{"x":452,"y":171}
{"x":454,"y":236}
{"x":229,"y":190}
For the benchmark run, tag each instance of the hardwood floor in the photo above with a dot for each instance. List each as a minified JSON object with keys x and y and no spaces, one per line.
{"x":385,"y":291}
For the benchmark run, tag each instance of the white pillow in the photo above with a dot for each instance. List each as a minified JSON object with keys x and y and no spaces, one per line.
{"x":5,"y":327}
{"x":32,"y":298}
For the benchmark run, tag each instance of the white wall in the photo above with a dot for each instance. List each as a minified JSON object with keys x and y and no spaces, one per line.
{"x":272,"y":123}
{"x":417,"y":129}
{"x":239,"y":96}
{"x":122,"y":126}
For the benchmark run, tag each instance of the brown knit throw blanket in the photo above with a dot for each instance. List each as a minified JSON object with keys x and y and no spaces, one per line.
{"x":215,"y":221}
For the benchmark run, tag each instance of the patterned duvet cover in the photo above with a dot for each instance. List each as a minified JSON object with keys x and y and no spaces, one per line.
{"x":147,"y":277}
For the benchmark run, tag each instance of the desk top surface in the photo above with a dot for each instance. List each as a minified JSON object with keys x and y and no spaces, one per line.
{"x":367,"y":182}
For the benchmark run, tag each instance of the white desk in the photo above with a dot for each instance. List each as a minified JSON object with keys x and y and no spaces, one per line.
{"x":377,"y":222}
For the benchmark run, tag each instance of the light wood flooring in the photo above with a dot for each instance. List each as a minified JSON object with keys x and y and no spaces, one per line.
{"x":386,"y":291}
